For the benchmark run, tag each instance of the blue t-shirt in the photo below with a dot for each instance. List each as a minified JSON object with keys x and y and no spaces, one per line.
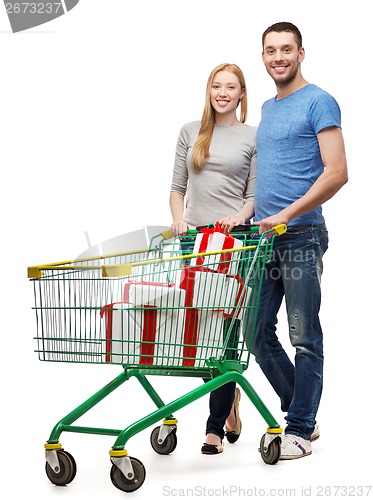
{"x":289,"y":159}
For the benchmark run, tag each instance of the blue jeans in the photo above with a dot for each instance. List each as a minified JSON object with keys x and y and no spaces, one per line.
{"x":294,"y":273}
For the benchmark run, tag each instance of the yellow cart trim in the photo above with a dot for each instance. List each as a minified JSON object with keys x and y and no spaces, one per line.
{"x":280,"y":229}
{"x":167,"y":234}
{"x":53,"y":446}
{"x":274,"y":430}
{"x":117,"y":453}
{"x":118,"y":270}
{"x":35,"y":272}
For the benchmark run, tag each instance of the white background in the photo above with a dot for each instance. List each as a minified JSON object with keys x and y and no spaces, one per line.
{"x":91,"y":107}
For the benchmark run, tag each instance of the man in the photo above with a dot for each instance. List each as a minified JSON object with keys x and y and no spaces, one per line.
{"x":301,"y":165}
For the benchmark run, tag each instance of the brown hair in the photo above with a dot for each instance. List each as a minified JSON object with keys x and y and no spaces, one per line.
{"x":284,"y":26}
{"x":201,"y":149}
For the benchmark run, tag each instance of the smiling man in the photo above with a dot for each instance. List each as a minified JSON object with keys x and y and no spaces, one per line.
{"x":301,"y":165}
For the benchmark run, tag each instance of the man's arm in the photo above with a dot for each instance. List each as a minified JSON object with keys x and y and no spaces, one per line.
{"x":327,"y":185}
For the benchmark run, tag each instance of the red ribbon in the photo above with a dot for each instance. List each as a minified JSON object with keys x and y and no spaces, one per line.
{"x":206,"y":231}
{"x":109,"y":328}
{"x":149,"y":331}
{"x":148,"y":335}
{"x":191,"y":318}
{"x":225,"y":258}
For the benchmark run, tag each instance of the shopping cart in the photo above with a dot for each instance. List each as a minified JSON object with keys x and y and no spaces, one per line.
{"x":184,"y":307}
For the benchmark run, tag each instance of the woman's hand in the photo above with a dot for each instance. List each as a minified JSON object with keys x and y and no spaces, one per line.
{"x":231,"y":221}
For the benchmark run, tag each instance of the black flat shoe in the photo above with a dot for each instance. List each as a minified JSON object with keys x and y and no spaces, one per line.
{"x":212,"y":449}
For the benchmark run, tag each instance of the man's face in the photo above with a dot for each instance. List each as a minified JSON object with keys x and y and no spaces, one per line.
{"x":282,"y":57}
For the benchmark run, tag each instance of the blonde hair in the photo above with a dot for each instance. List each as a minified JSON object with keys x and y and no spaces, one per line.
{"x":201,"y":149}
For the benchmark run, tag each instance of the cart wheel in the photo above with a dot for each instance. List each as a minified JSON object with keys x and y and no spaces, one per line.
{"x":272,"y":455}
{"x":120,"y":481}
{"x":168,"y":445}
{"x":67,"y":469}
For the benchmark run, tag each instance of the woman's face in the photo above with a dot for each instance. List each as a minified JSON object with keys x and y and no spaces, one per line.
{"x":225,"y":93}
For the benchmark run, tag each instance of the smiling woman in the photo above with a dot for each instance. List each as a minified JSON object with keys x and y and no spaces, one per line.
{"x":214,"y":180}
{"x":226,"y":93}
{"x":215,"y":160}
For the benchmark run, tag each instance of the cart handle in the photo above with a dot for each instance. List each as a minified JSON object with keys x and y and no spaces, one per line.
{"x":119,"y":270}
{"x":245,"y":228}
{"x":35,"y":272}
{"x":279,"y":229}
{"x":242,"y":228}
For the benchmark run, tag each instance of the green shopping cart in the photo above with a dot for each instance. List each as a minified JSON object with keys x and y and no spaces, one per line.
{"x":184,"y":307}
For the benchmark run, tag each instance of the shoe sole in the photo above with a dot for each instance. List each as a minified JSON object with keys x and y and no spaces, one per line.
{"x":293,"y":457}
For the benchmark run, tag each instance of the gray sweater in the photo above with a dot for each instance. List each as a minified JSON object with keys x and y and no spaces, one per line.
{"x":227,"y":180}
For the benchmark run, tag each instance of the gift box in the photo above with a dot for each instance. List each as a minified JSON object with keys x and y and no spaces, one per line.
{"x":202,"y":336}
{"x":161,"y":294}
{"x":168,"y":330}
{"x":168,"y":302}
{"x":213,"y":240}
{"x":212,"y":290}
{"x":152,"y":337}
{"x":139,"y":335}
{"x":141,"y":328}
{"x":236,"y":296}
{"x":189,"y":333}
{"x":203,"y":287}
{"x":210,"y":297}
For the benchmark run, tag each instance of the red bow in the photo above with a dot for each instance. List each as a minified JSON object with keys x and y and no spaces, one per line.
{"x":228,"y":243}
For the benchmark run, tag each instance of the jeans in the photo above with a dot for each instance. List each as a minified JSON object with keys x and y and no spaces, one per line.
{"x":294,"y":273}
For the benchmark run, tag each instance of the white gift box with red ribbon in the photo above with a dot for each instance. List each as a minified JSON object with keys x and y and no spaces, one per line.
{"x":196,"y":333}
{"x":204,"y":317}
{"x":202,"y":336}
{"x":140,"y":328}
{"x":213,"y":240}
{"x":132,"y":335}
{"x":204,"y":288}
{"x":159,"y":324}
{"x":213,"y":290}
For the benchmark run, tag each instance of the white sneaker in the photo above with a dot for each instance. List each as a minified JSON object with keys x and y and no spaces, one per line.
{"x":316,"y":434}
{"x":294,"y":447}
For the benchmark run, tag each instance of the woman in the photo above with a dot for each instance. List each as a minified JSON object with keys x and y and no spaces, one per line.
{"x":214,"y":180}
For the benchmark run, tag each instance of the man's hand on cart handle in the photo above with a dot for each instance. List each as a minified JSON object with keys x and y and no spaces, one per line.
{"x":266,"y":225}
